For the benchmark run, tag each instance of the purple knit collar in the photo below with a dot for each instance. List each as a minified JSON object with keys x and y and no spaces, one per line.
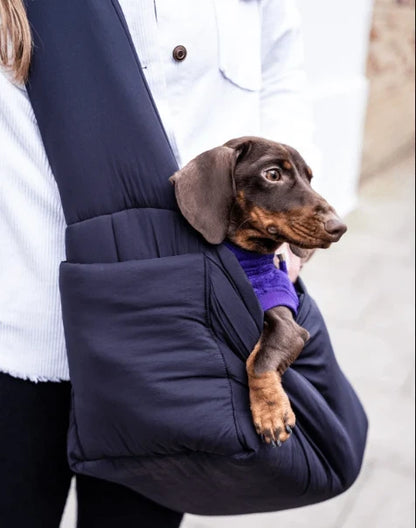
{"x":251,"y":259}
{"x":271,"y":285}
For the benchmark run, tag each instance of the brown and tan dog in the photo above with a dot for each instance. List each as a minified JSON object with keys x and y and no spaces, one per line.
{"x":257,"y":193}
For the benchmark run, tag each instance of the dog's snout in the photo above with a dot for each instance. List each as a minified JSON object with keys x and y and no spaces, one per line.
{"x":335,"y":227}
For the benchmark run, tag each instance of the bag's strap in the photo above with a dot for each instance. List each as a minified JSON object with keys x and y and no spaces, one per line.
{"x":104,"y":139}
{"x":106,"y":144}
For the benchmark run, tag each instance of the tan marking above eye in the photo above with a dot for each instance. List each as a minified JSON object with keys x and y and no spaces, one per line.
{"x":287,"y":165}
{"x":309,"y":171}
{"x":241,"y":199}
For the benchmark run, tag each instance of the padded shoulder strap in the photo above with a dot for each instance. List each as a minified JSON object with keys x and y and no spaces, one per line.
{"x":98,"y":122}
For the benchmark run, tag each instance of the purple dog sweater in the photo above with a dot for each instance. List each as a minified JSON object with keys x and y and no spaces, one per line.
{"x":271,"y":285}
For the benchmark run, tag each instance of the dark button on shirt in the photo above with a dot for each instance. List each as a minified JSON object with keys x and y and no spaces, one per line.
{"x":179,"y":53}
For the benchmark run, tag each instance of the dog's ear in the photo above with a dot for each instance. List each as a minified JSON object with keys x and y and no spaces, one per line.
{"x":205,"y":191}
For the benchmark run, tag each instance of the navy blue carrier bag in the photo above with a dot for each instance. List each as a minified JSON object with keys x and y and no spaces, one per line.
{"x":158,"y":323}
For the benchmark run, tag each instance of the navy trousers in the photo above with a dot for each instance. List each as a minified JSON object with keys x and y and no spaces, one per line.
{"x":34,"y":471}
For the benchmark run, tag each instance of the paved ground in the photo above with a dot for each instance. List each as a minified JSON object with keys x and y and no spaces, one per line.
{"x":371,"y":324}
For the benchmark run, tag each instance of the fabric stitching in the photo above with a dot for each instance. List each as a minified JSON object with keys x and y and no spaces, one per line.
{"x":214,"y":337}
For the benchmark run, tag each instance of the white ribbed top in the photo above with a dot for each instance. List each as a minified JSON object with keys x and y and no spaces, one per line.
{"x":32,"y":245}
{"x":205,"y":100}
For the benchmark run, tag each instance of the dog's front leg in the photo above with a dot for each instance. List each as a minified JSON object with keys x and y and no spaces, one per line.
{"x":279,"y":345}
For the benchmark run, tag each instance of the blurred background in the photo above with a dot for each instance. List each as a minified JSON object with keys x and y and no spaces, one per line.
{"x":360,"y":64}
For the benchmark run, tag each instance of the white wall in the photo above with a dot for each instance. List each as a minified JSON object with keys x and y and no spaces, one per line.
{"x":336,"y":37}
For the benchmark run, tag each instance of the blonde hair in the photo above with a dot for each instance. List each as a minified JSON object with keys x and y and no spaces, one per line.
{"x":15,"y":39}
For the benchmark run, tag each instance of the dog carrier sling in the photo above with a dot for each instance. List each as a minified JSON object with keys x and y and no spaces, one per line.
{"x":158,"y":323}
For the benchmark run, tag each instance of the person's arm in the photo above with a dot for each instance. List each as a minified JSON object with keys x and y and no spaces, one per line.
{"x":285,"y":112}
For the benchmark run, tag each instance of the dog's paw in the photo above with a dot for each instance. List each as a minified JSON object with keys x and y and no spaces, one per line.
{"x":272,"y":414}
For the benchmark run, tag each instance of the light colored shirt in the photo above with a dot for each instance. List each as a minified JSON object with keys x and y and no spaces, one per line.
{"x":243,"y":75}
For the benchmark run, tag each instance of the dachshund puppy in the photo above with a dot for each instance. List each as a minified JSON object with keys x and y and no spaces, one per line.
{"x":257,"y":194}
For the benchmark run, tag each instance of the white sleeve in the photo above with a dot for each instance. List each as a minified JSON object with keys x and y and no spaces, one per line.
{"x":285,"y":111}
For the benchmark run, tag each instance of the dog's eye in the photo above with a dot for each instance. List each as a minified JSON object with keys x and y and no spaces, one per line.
{"x":272,"y":175}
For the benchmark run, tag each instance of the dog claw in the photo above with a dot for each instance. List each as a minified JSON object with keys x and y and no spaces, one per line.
{"x":288,"y":429}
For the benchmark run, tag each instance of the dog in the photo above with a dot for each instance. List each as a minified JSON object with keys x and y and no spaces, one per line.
{"x":257,"y":194}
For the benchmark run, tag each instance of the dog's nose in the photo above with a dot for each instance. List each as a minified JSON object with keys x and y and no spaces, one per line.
{"x":335,"y":227}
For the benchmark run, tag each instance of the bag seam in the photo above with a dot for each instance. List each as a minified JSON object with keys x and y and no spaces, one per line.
{"x":208,"y":287}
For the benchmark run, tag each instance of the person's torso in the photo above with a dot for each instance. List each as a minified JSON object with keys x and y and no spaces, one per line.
{"x":205,"y":99}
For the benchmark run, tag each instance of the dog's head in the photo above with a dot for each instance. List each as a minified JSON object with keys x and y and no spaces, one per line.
{"x":257,"y":193}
